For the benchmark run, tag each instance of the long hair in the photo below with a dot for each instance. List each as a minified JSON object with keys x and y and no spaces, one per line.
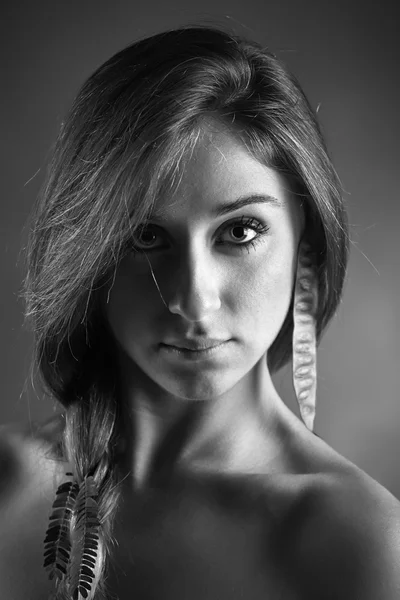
{"x":125,"y":141}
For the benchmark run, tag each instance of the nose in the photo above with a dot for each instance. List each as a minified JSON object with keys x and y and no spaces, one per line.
{"x":195,"y":287}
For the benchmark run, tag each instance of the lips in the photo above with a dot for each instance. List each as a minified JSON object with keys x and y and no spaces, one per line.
{"x":195,"y":345}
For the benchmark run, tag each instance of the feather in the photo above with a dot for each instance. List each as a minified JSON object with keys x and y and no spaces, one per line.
{"x":305,"y":308}
{"x":85,"y":542}
{"x":57,"y":543}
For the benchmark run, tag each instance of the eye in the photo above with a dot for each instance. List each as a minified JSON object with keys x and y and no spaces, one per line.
{"x":242,"y":228}
{"x":145,"y":238}
{"x":239,"y":232}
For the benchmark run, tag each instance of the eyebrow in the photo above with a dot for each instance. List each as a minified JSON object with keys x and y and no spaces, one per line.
{"x":224,"y":209}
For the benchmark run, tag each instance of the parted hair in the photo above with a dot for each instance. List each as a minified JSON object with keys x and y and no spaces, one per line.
{"x":124,"y":143}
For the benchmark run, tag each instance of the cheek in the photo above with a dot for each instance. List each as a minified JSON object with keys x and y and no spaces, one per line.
{"x":265,"y":296}
{"x":128,"y":309}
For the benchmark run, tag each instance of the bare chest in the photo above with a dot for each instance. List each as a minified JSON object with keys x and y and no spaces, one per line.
{"x":202,"y":547}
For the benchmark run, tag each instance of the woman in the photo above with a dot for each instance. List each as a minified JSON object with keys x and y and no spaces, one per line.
{"x":190,"y":240}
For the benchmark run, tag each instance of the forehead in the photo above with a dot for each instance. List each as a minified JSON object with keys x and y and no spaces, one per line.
{"x":220,"y":170}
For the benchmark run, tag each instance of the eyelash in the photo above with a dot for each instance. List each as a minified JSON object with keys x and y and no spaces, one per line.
{"x":245,"y":222}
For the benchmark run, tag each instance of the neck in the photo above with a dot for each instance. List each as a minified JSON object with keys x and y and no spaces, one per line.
{"x":242,"y":430}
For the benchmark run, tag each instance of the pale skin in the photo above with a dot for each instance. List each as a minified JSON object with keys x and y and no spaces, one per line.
{"x":212,"y":290}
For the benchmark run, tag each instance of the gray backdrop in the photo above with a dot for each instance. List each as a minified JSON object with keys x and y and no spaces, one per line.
{"x":346,"y":55}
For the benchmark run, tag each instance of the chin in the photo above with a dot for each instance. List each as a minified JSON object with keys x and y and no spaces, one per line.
{"x":201,"y":388}
{"x":199,"y":391}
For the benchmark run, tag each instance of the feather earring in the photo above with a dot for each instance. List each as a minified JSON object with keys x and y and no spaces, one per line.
{"x":86,"y":543}
{"x":72,"y":538}
{"x":305,"y":307}
{"x":57,"y":543}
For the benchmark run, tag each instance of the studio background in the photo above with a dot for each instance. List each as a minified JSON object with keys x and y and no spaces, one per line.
{"x":346,"y":56}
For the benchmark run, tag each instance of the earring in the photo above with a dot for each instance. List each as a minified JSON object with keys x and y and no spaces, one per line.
{"x":74,"y":558}
{"x":304,"y":335}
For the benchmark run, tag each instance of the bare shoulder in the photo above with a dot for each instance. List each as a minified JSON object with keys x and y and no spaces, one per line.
{"x":27,"y":455}
{"x":346,"y":543}
{"x":28,"y":481}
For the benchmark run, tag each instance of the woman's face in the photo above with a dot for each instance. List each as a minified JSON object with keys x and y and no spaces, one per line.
{"x":223,"y":273}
